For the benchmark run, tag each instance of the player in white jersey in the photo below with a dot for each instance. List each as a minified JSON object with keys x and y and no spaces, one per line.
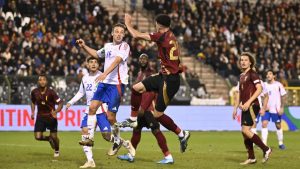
{"x":275,"y":108}
{"x":113,"y":80}
{"x":87,"y":88}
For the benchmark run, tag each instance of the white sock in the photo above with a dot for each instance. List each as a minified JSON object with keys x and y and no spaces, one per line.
{"x":87,"y":149}
{"x":181,"y":134}
{"x":254,"y":130}
{"x":280,"y":136}
{"x":133,"y":118}
{"x":115,"y":131}
{"x":264,"y":135}
{"x":169,"y":157}
{"x":91,"y":122}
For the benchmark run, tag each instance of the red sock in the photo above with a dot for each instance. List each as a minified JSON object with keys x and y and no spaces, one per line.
{"x":162,"y":142}
{"x":256,"y":140}
{"x":249,"y":146}
{"x":169,"y":124}
{"x":136,"y":98}
{"x":136,"y":137}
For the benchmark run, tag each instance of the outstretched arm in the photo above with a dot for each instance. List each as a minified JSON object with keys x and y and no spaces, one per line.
{"x":135,"y":33}
{"x":89,"y":50}
{"x":111,"y":67}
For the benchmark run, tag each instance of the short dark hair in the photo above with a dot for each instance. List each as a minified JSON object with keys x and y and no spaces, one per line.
{"x":93,"y":58}
{"x":119,"y":25}
{"x":270,"y":70}
{"x":163,"y":20}
{"x":42,"y":75}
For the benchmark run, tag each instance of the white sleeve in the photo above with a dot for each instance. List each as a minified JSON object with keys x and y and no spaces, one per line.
{"x":264,"y":88}
{"x":124,"y":51}
{"x":101,"y":53}
{"x":282,"y":90}
{"x":79,"y":94}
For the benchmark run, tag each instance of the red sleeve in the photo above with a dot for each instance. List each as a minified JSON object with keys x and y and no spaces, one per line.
{"x":155,"y":36}
{"x":33,"y":99}
{"x":56,"y":99}
{"x":255,"y":78}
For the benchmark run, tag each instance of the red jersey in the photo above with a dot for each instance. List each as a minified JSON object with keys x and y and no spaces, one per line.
{"x":45,"y":102}
{"x":247,"y":87}
{"x":168,"y":52}
{"x":144,"y":73}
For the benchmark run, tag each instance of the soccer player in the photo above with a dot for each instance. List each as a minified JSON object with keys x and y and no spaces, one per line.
{"x":250,"y":88}
{"x":45,"y":99}
{"x":113,"y":81}
{"x":87,"y":88}
{"x":275,"y":108}
{"x":166,"y":83}
{"x":146,"y":119}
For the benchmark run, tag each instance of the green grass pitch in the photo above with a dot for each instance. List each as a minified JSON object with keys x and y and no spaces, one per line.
{"x":207,"y":150}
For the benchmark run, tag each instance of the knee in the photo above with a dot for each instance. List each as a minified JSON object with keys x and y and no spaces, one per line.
{"x":112,"y":120}
{"x":157,"y":114}
{"x":39,"y":138}
{"x":278,"y":126}
{"x":264,"y":125}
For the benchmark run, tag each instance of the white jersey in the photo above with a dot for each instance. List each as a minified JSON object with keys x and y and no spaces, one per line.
{"x":275,"y":91}
{"x":87,"y":88}
{"x":120,"y":73}
{"x":262,"y":94}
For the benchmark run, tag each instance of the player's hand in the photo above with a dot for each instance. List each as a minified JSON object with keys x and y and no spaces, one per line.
{"x":281,"y":111}
{"x":68,"y":106}
{"x":234,"y":113}
{"x":127,"y":19}
{"x":100,"y":78}
{"x":80,"y":42}
{"x":54,"y":113}
{"x":262,"y":112}
{"x":32,"y":116}
{"x":245,"y":106}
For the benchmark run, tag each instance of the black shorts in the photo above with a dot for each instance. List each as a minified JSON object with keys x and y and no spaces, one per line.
{"x":165,"y":85}
{"x":43,"y":123}
{"x":142,"y":122}
{"x":249,"y":116}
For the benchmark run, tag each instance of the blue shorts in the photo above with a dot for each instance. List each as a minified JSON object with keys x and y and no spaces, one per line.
{"x":275,"y":117}
{"x":110,"y":94}
{"x":102,"y":122}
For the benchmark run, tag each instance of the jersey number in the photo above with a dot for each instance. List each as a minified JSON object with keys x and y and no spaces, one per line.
{"x":175,"y":47}
{"x":89,"y":87}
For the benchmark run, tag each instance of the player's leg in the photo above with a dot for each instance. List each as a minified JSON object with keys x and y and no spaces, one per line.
{"x":86,"y":149}
{"x":249,"y":146}
{"x":253,"y":129}
{"x":53,"y":136}
{"x":279,"y":131}
{"x":248,"y":119}
{"x":264,"y":130}
{"x":39,"y":128}
{"x":136,"y":98}
{"x":168,"y":87}
{"x":161,"y":140}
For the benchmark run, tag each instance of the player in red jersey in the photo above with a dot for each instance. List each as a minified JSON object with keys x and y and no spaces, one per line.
{"x":166,"y":83}
{"x":146,"y":118}
{"x":45,"y":99}
{"x":250,"y":88}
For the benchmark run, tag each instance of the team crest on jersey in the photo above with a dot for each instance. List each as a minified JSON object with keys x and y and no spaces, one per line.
{"x":125,"y":46}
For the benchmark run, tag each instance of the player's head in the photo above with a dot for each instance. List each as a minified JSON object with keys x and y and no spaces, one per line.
{"x":93,"y":64}
{"x":247,"y":60}
{"x":270,"y":76}
{"x":42,"y":80}
{"x":162,"y":21}
{"x":118,"y":32}
{"x":143,"y":60}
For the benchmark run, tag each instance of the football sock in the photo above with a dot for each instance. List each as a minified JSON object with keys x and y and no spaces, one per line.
{"x":254,"y":130}
{"x":169,"y":157}
{"x":280,"y":136}
{"x":87,"y":149}
{"x":136,"y":98}
{"x":264,"y":135}
{"x":91,"y":122}
{"x":169,"y":124}
{"x":135,"y":139}
{"x":162,"y":142}
{"x":255,"y":139}
{"x":249,"y":146}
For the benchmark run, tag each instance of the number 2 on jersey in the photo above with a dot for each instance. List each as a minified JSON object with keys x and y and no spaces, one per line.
{"x":175,"y":47}
{"x":89,"y":87}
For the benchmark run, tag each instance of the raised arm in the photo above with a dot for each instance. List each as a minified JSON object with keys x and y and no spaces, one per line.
{"x":135,"y":33}
{"x":89,"y":50}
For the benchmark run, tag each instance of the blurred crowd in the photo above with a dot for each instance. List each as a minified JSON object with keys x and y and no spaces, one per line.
{"x":39,"y":36}
{"x":217,"y":31}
